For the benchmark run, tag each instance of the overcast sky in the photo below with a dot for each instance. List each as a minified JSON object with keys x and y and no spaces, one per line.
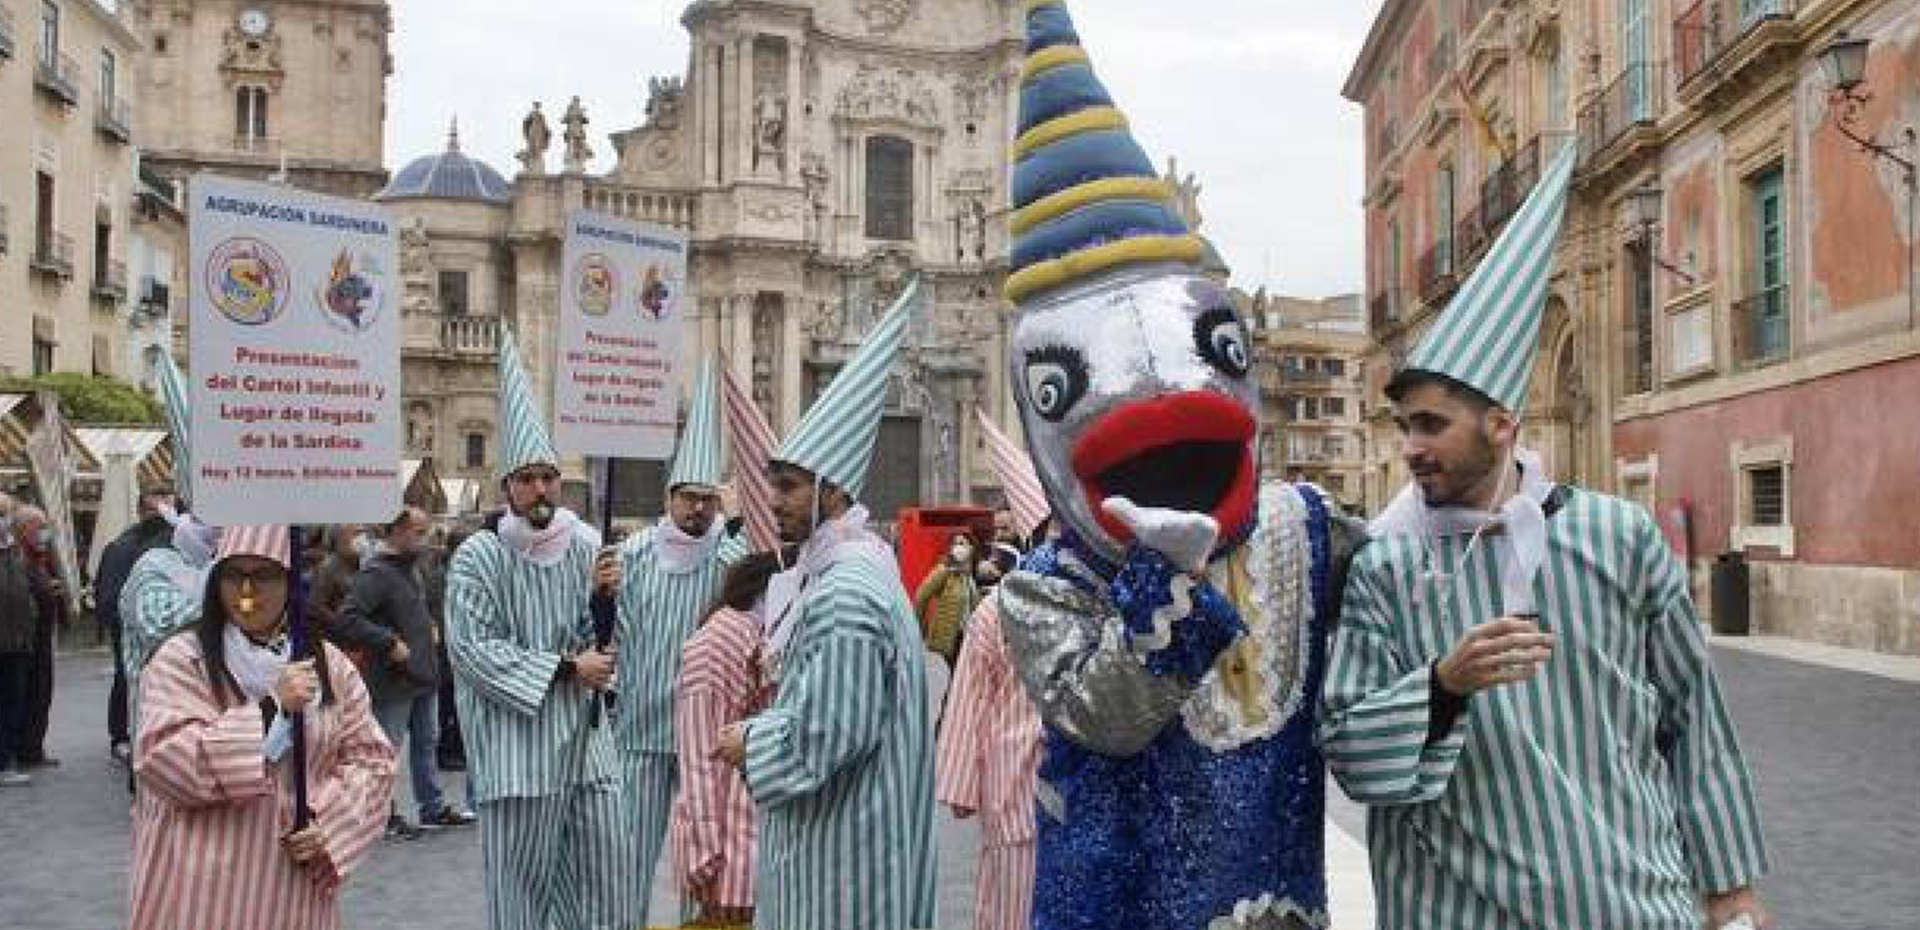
{"x":1246,"y":93}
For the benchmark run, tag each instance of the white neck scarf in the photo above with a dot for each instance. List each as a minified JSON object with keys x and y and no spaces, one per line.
{"x":837,"y":540}
{"x":547,"y":547}
{"x":1521,"y":520}
{"x":255,"y":667}
{"x":680,"y":553}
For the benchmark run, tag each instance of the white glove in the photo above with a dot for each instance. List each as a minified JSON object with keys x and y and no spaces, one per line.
{"x":1184,"y":537}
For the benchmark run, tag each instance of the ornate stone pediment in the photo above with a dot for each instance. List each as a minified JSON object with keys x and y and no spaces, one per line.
{"x":243,"y":56}
{"x":897,"y":94}
{"x":665,"y":98}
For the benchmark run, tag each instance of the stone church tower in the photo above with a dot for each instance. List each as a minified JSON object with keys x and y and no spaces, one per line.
{"x":819,"y":154}
{"x":249,"y":87}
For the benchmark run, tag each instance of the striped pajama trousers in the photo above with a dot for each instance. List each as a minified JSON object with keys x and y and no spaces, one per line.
{"x":560,"y":861}
{"x":1003,"y":892}
{"x":650,"y":780}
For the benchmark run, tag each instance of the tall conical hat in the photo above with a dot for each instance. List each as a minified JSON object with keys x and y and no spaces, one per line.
{"x":1025,"y":497}
{"x":1086,"y":198}
{"x":835,"y":439}
{"x":524,"y":439}
{"x":697,"y":461}
{"x":1489,"y":335}
{"x":752,"y":439}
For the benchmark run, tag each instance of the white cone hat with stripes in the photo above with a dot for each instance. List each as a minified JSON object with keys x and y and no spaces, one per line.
{"x":523,"y":436}
{"x":835,"y":439}
{"x":752,"y":439}
{"x":1489,"y":335}
{"x":697,"y":461}
{"x":173,"y":395}
{"x":1026,"y":499}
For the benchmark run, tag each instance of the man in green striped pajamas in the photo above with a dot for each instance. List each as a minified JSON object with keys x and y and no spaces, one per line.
{"x":1519,"y":688}
{"x":841,"y":766}
{"x":556,"y":846}
{"x":669,"y":574}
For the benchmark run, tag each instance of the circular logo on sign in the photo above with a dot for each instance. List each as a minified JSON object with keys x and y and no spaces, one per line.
{"x":247,"y":281}
{"x":594,"y":283}
{"x":656,"y":294}
{"x":355,"y":292}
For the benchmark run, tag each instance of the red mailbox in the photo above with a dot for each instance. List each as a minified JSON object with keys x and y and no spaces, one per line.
{"x":926,"y":533}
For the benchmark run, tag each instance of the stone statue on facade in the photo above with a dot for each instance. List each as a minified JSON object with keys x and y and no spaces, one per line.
{"x":574,"y":133}
{"x":1186,"y":193}
{"x":533,"y":158}
{"x":770,"y":131}
{"x":664,"y":99}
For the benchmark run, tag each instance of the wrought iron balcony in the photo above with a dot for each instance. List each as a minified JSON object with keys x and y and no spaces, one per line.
{"x":474,"y":335}
{"x":156,"y":296}
{"x":257,"y":145}
{"x":1762,"y":331}
{"x":1608,"y":125}
{"x":1507,"y":187}
{"x":53,"y":256}
{"x":6,"y":33}
{"x":1709,"y":30}
{"x":54,"y":73}
{"x":114,"y":119}
{"x":110,"y":281}
{"x":1384,"y":310}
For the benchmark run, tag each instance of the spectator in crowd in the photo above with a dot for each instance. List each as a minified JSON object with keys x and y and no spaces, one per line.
{"x":19,"y":615}
{"x":34,"y":534}
{"x":947,"y":598}
{"x":333,"y":579}
{"x":385,"y":617}
{"x":153,"y":531}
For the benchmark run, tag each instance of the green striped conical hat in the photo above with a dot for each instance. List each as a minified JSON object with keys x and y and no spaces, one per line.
{"x":173,"y":394}
{"x":523,"y":437}
{"x":1489,"y":334}
{"x":697,"y":461}
{"x":835,"y":439}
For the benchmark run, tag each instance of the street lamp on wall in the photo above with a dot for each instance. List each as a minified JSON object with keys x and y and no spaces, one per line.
{"x":1844,"y":61}
{"x":1644,"y":206}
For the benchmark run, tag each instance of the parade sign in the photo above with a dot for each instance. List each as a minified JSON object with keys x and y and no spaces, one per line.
{"x":295,"y":356}
{"x":616,"y":384}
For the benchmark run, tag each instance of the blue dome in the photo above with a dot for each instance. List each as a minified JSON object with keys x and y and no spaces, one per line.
{"x":449,"y":175}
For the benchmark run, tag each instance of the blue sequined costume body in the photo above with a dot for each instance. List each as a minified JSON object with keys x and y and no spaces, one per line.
{"x":1182,"y":834}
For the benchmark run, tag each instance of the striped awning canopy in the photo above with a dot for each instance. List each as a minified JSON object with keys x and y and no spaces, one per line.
{"x":148,"y":446}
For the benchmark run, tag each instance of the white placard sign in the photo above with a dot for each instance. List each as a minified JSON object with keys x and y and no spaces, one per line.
{"x":622,"y":315}
{"x":294,"y":356}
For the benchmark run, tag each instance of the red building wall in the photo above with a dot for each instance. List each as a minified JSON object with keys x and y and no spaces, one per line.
{"x":1854,"y":494}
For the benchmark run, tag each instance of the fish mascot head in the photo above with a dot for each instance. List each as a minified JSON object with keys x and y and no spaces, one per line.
{"x":1132,"y":370}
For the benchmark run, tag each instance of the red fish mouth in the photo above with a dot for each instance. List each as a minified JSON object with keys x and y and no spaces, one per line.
{"x":1191,"y":451}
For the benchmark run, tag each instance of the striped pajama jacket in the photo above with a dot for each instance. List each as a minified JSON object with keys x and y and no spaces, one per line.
{"x":1607,"y":791}
{"x":152,"y":608}
{"x":211,"y":810}
{"x":555,"y":839}
{"x":713,"y":822}
{"x":841,"y":766}
{"x":989,"y":759}
{"x":658,"y":610}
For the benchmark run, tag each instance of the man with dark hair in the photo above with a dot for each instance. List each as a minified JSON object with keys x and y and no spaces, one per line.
{"x":1519,"y":688}
{"x":34,"y":534}
{"x":153,"y":531}
{"x":385,"y":615}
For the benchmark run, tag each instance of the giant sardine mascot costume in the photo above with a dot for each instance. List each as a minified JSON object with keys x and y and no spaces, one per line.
{"x":1174,"y":637}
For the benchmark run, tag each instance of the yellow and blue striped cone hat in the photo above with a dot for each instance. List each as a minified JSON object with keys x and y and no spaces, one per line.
{"x":523,"y":437}
{"x":173,"y":394}
{"x":697,"y":461}
{"x":1086,"y":198}
{"x":835,"y":439}
{"x":1489,"y":335}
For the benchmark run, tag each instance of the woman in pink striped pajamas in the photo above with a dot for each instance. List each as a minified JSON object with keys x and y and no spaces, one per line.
{"x":720,"y":682}
{"x":988,"y":763}
{"x":213,"y":840}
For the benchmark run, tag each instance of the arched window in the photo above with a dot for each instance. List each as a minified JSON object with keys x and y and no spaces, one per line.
{"x":250,"y":115}
{"x":889,"y":188}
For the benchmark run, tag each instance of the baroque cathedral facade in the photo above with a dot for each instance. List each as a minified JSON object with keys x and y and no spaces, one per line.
{"x":818,"y":155}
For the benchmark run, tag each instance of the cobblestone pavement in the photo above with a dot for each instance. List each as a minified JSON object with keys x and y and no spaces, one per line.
{"x":1837,"y":755}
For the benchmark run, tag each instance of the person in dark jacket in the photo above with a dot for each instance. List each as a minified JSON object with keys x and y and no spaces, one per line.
{"x":330,"y":581}
{"x":19,"y":615}
{"x":34,"y":535}
{"x":386,"y":616}
{"x":154,"y":531}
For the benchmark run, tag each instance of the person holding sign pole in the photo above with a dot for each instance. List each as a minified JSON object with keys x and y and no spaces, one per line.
{"x":215,"y":846}
{"x":554,"y":830}
{"x":669,"y":574}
